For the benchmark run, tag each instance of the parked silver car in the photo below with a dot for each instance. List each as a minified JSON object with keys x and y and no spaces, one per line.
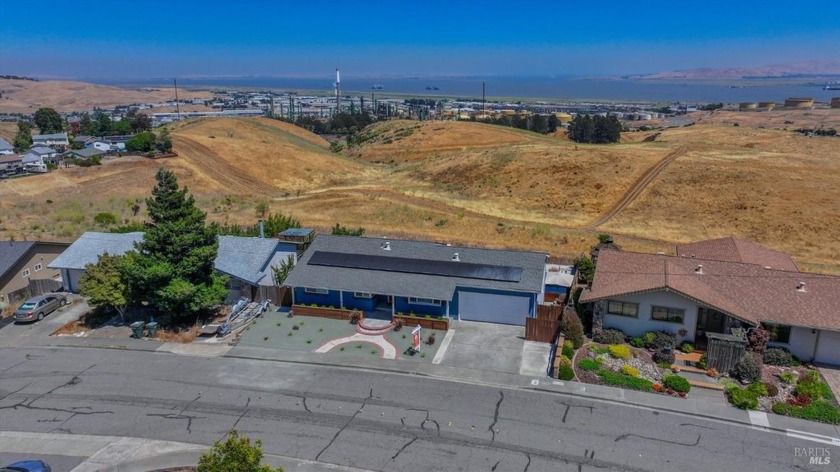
{"x":36,"y":308}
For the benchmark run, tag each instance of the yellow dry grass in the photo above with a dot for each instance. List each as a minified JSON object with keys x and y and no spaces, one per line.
{"x":780,"y":118}
{"x":26,"y":96}
{"x":499,"y":188}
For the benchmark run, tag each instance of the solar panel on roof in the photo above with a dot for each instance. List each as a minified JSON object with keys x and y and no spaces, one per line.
{"x":416,"y":266}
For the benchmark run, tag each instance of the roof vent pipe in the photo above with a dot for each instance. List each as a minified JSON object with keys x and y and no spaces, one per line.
{"x":386,"y":246}
{"x":698,"y":269}
{"x":800,"y":287}
{"x":767,"y":267}
{"x":456,"y":258}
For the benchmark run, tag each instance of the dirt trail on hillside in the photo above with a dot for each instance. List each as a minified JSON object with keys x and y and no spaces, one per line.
{"x":207,"y":162}
{"x":637,"y":187}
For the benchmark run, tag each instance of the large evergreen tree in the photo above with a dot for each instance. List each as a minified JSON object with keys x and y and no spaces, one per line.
{"x":173,"y":266}
{"x":48,"y":121}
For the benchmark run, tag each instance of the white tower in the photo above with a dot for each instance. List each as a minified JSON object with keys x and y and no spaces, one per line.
{"x":337,"y":92}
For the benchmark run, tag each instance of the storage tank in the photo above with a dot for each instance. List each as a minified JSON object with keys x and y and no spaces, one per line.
{"x":835,"y":102}
{"x":767,"y":105}
{"x":644,"y":116}
{"x":463,"y":116}
{"x":747,"y":106}
{"x":509,"y":112}
{"x":563,"y":117}
{"x":799,"y":102}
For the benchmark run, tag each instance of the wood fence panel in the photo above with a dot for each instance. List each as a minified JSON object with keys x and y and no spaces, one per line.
{"x":547,"y":311}
{"x":539,"y":330}
{"x":724,"y":351}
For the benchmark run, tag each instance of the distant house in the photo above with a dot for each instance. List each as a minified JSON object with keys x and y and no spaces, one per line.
{"x":6,"y":147}
{"x":37,"y":158}
{"x":716,"y":286}
{"x":117,"y":143}
{"x":246,"y":261}
{"x":103,"y":146}
{"x":56,"y":139}
{"x":25,"y":261}
{"x":85,"y":153}
{"x":84,"y":141}
{"x":10,"y":163}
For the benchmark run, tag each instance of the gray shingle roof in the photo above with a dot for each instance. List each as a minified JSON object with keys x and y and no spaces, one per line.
{"x":85,"y":153}
{"x":245,"y":258}
{"x":240,"y":257}
{"x":44,"y":137}
{"x":412,"y":284}
{"x":11,"y":252}
{"x":42,"y":150}
{"x":5,"y":145}
{"x":87,"y":249}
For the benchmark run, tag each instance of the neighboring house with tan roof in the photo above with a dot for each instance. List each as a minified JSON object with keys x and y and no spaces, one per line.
{"x":637,"y":292}
{"x":737,"y":250}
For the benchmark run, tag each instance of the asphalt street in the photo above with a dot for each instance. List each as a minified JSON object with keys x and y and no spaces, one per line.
{"x":369,"y":420}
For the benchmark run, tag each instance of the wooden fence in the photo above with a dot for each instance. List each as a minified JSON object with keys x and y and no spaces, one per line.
{"x":549,"y":311}
{"x":280,"y":296}
{"x":546,"y":325}
{"x":35,"y":287}
{"x":321,"y":312}
{"x":724,"y":351}
{"x":433,"y":322}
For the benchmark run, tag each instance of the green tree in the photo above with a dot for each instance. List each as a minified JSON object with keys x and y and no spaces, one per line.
{"x":48,"y":121}
{"x":553,"y":121}
{"x":586,"y":267}
{"x":261,"y":208}
{"x":164,"y":141}
{"x":604,"y":237}
{"x":104,"y":285}
{"x":572,"y":328}
{"x":87,"y":125}
{"x":539,"y":124}
{"x":235,"y":454}
{"x":139,"y":121}
{"x":143,"y":142}
{"x":121,"y":127}
{"x":280,"y":273}
{"x":23,"y":138}
{"x":339,"y":230}
{"x":102,"y":124}
{"x":173,"y":266}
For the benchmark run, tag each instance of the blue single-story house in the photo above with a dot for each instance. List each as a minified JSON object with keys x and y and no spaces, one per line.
{"x":384,"y":277}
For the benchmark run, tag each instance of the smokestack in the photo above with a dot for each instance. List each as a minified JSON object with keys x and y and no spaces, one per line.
{"x":337,"y":91}
{"x":262,"y":229}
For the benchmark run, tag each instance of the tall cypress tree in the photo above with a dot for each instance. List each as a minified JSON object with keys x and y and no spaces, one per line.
{"x":173,"y":266}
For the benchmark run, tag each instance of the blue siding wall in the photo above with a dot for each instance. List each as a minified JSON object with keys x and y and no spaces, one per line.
{"x":364,"y":304}
{"x":303,"y":298}
{"x":402,"y":306}
{"x":532,"y":299}
{"x":284,"y":246}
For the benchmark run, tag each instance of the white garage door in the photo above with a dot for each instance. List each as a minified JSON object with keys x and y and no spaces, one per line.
{"x":493,"y":308}
{"x":828,"y":351}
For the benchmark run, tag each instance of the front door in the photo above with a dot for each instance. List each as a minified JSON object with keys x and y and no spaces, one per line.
{"x":708,"y":321}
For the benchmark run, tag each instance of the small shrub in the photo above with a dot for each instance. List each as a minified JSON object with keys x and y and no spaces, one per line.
{"x":637,"y":342}
{"x":679,"y":384}
{"x":630,"y":370}
{"x":290,"y":334}
{"x":664,"y":365}
{"x":687,"y":348}
{"x":620,"y":351}
{"x":598,"y":349}
{"x":341,"y":348}
{"x":572,"y":328}
{"x":563,"y":360}
{"x":758,"y":340}
{"x":609,"y":336}
{"x":809,"y":376}
{"x":742,"y":398}
{"x":374,"y":351}
{"x":776,"y":356}
{"x":758,"y":388}
{"x":617,"y":379}
{"x":565,"y":372}
{"x":747,"y":369}
{"x":664,"y":356}
{"x":662,"y":340}
{"x":308,"y":341}
{"x":320,"y":330}
{"x":813,"y":389}
{"x":105,"y":218}
{"x":703,"y":362}
{"x":799,"y":400}
{"x":235,"y":453}
{"x":568,"y":350}
{"x":781,"y":409}
{"x":589,"y":364}
{"x":265,"y":338}
{"x":358,"y":346}
{"x":279,"y":324}
{"x":648,"y":338}
{"x":788,"y":377}
{"x":772,"y":389}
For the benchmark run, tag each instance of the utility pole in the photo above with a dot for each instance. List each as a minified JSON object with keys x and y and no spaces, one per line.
{"x":177,"y":104}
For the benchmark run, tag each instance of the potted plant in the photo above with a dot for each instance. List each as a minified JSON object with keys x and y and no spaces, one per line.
{"x":355,"y":317}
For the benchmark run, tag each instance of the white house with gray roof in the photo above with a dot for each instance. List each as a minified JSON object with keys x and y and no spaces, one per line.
{"x":385,"y":277}
{"x":247,"y":261}
{"x":6,"y":147}
{"x":55,"y":139}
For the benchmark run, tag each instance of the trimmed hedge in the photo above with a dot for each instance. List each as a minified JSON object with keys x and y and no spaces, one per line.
{"x":680,"y":384}
{"x":616,"y":379}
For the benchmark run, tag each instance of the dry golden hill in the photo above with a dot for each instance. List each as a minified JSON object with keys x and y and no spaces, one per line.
{"x":26,"y":96}
{"x":777,"y":119}
{"x":8,"y":130}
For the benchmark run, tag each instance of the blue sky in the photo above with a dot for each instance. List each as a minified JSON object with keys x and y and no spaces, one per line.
{"x":120,"y":39}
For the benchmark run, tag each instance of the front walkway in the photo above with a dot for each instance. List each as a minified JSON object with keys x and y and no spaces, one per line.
{"x":389,"y":351}
{"x":832,"y":377}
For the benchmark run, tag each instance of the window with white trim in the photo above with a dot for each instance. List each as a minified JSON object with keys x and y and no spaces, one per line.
{"x":664,"y":313}
{"x":38,"y":267}
{"x":316,"y":291}
{"x":424,"y":301}
{"x":25,"y":273}
{"x":362,"y":295}
{"x":615,"y":307}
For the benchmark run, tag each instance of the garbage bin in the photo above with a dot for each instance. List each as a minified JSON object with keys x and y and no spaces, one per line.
{"x":137,"y":328}
{"x":152,"y":327}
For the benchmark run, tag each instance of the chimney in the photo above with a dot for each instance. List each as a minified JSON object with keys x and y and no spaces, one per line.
{"x":698,"y":269}
{"x":800,"y":287}
{"x":386,"y":246}
{"x":767,"y":267}
{"x":262,"y":229}
{"x":456,"y":258}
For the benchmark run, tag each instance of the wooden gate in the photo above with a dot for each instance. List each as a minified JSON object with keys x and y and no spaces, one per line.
{"x":35,"y":287}
{"x":543,"y":331}
{"x":724,"y":351}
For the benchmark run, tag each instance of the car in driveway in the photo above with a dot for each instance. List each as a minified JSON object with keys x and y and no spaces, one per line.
{"x":27,"y":466}
{"x":36,"y":308}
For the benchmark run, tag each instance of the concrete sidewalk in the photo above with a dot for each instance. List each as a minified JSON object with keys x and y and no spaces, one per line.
{"x":125,"y":454}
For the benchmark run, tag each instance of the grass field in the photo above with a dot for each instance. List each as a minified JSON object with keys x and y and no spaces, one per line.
{"x":476,"y":184}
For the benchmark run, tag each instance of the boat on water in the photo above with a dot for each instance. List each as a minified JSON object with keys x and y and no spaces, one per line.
{"x":377,"y":87}
{"x":429,"y":87}
{"x":832,"y":86}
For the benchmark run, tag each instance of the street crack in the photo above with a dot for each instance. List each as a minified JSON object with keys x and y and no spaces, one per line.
{"x":394,"y":457}
{"x":676,"y":443}
{"x":492,"y":427}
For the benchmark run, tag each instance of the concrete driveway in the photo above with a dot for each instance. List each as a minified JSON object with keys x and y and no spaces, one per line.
{"x":22,"y":334}
{"x":494,"y":347}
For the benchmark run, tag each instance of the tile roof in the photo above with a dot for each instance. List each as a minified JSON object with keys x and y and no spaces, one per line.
{"x":410,"y":284}
{"x":240,"y":257}
{"x":746,"y":291}
{"x":737,"y":250}
{"x":11,"y":252}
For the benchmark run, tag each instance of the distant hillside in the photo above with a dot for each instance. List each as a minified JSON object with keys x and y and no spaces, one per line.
{"x":803,"y":69}
{"x":26,"y":96}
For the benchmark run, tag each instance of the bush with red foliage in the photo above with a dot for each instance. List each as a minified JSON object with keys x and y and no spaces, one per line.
{"x":758,"y":340}
{"x":799,"y":400}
